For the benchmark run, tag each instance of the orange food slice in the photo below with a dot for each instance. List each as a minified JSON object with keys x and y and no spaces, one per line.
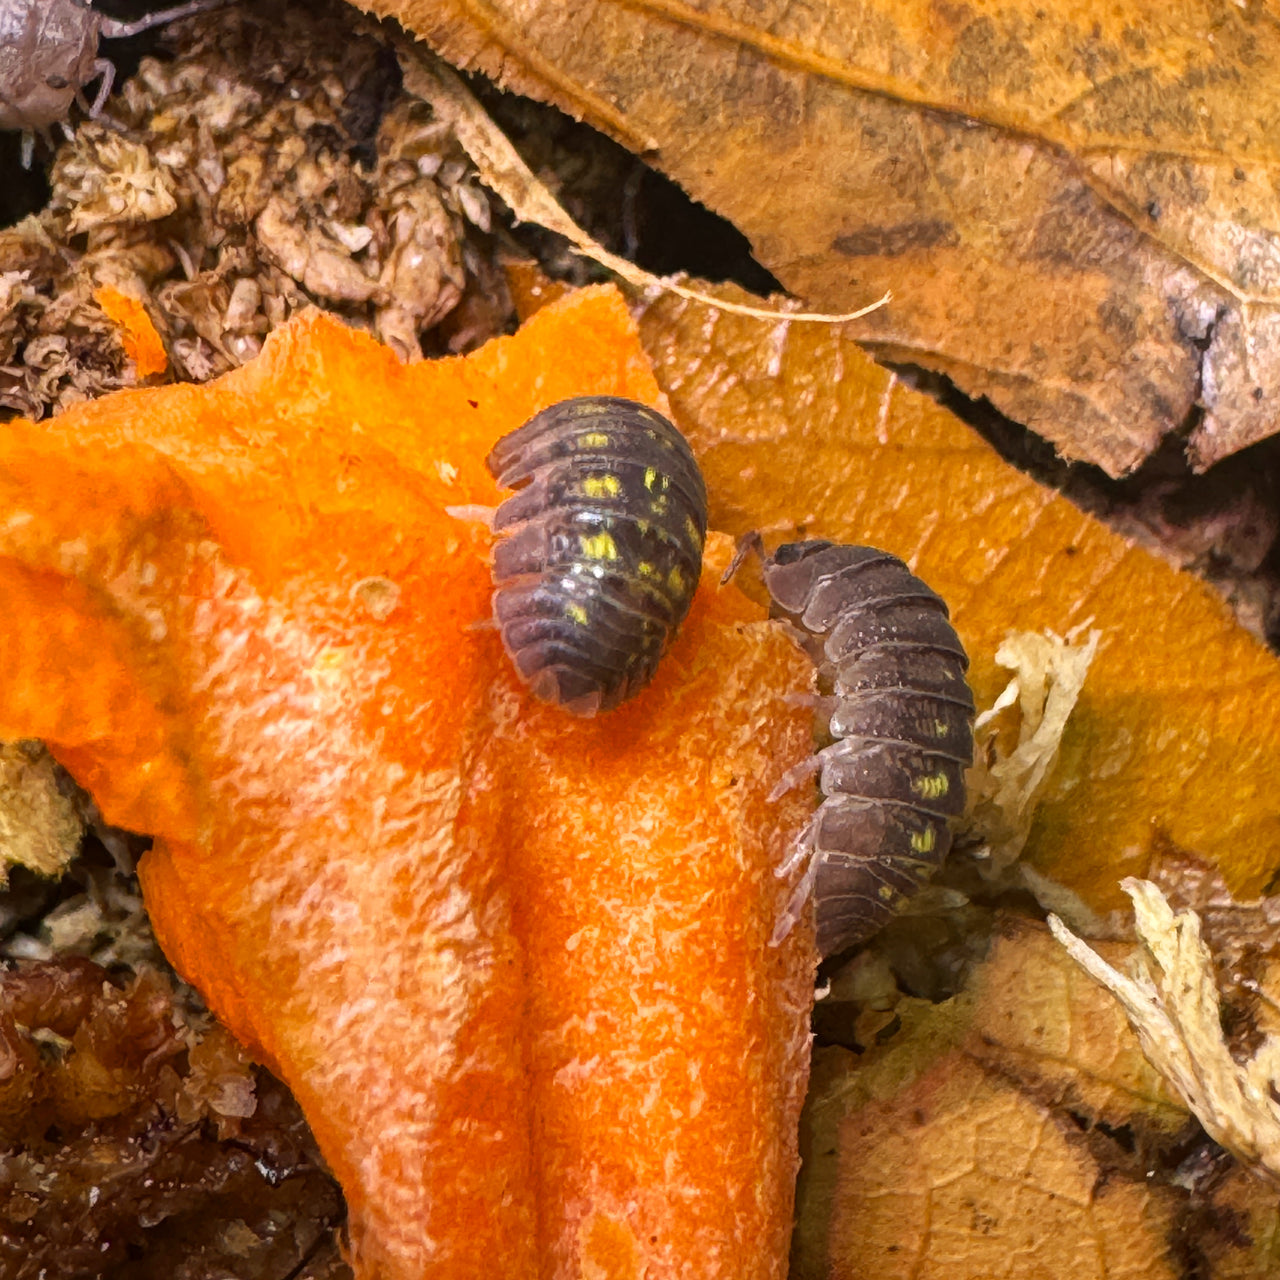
{"x":514,"y":966}
{"x":142,"y":344}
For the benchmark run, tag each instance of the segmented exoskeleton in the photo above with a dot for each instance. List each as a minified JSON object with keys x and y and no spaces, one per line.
{"x":49,"y":56}
{"x":602,"y":547}
{"x":901,"y":716}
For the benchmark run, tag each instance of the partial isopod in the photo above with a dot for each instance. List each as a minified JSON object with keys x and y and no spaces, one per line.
{"x":601,"y":548}
{"x":49,"y":55}
{"x":901,"y":720}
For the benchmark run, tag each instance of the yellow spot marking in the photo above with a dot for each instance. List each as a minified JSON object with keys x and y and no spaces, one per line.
{"x":593,"y":440}
{"x":659,"y":505}
{"x":576,"y":613}
{"x":886,"y":893}
{"x":941,"y":728}
{"x":692,"y":530}
{"x":675,"y":580}
{"x":932,"y":786}
{"x":923,"y":841}
{"x":606,"y":486}
{"x":647,"y":569}
{"x":599,"y":546}
{"x":654,"y":478}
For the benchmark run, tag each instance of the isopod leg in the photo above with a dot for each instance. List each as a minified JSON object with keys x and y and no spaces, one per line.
{"x":822,"y":703}
{"x":473,"y":513}
{"x":748,"y":543}
{"x":794,"y":777}
{"x":105,"y":68}
{"x":114,"y":29}
{"x":799,"y":851}
{"x":802,"y":892}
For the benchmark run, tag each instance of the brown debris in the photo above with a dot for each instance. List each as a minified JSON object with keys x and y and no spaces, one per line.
{"x":40,"y":824}
{"x":137,"y":1140}
{"x":1170,"y":996}
{"x":1014,"y":1130}
{"x":273,"y":164}
{"x":1244,"y":937}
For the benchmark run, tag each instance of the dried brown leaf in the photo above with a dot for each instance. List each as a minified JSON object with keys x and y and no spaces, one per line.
{"x":961,"y":1176}
{"x":1072,"y":204}
{"x":1177,"y":728}
{"x":1039,"y":1020}
{"x":975,"y":1143}
{"x":506,"y":174}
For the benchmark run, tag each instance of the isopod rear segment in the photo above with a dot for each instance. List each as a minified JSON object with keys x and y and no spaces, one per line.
{"x":901,"y":721}
{"x":600,"y":548}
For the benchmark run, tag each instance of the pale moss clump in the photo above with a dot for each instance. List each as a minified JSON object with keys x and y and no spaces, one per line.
{"x":40,"y":822}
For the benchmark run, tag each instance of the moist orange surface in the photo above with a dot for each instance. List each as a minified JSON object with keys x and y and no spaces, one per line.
{"x":138,"y":335}
{"x":515,"y":966}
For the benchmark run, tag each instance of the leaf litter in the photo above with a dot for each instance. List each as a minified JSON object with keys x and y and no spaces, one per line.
{"x":1070,"y":203}
{"x":274,"y":163}
{"x":1005,"y":785}
{"x":1171,"y":999}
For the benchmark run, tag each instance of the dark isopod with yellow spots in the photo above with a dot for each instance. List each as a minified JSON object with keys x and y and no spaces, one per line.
{"x":901,"y":720}
{"x":601,"y":547}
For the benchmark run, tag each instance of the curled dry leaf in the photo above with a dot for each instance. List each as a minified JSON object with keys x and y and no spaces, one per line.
{"x":1171,"y":999}
{"x":974,"y":1143}
{"x":502,"y":170}
{"x":1242,"y":936}
{"x":514,"y":966}
{"x":1006,"y":781}
{"x":1176,"y":730}
{"x":1072,"y":204}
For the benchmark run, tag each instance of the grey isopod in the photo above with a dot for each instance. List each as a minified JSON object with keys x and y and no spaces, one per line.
{"x":901,"y":720}
{"x":600,"y":547}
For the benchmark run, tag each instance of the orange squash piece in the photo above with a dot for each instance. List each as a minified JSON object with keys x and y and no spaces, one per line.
{"x":142,"y":344}
{"x":514,"y":966}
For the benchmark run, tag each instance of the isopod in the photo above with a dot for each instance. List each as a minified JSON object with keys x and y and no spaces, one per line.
{"x":600,"y":551}
{"x":901,"y":723}
{"x":49,"y":53}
